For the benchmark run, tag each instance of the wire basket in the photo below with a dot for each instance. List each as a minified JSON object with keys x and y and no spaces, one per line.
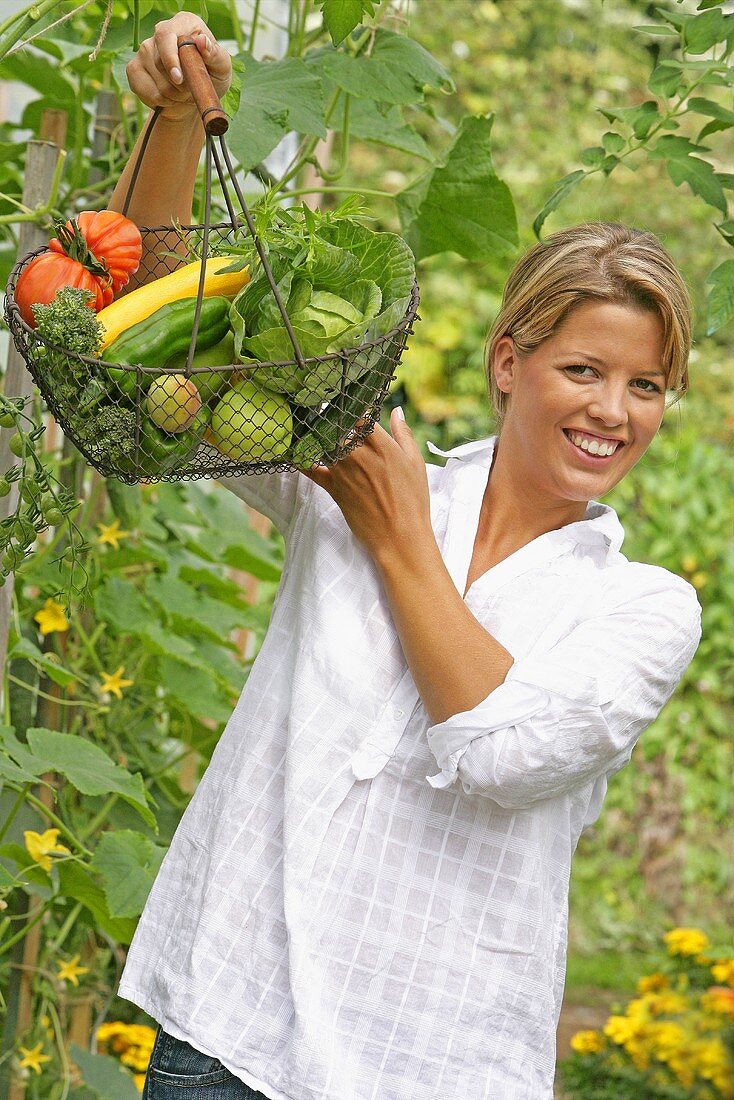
{"x":176,"y":420}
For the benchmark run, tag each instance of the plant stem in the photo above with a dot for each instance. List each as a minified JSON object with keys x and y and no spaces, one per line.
{"x":46,"y":812}
{"x":15,"y":807}
{"x":54,"y":698}
{"x":22,"y":21}
{"x":7,"y":944}
{"x":66,"y":927}
{"x":236,"y":25}
{"x":341,"y":191}
{"x":136,"y":25}
{"x":48,"y":207}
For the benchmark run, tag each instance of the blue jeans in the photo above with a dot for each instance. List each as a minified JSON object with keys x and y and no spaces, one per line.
{"x":177,"y":1071}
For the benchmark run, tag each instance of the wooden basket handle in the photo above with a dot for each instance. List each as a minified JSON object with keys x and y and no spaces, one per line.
{"x":196,"y":74}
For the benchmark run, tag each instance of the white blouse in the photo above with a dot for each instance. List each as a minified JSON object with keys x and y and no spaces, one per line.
{"x":358,"y":905}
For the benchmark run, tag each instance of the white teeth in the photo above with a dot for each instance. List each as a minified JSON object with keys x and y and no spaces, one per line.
{"x":593,"y":446}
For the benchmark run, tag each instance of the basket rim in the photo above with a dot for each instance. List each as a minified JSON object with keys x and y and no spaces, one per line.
{"x":11,"y":307}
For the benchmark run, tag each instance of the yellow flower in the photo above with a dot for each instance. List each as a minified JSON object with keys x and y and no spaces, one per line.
{"x":113,"y":682}
{"x":33,"y":1058}
{"x":652,"y":983}
{"x":587,"y":1042}
{"x":69,"y":970}
{"x":620,"y":1029}
{"x":41,"y":846}
{"x":719,"y":998}
{"x":686,"y":941}
{"x":724,"y":971}
{"x":112,"y":534}
{"x":51,"y":618}
{"x":689,"y":563}
{"x":699,"y":580}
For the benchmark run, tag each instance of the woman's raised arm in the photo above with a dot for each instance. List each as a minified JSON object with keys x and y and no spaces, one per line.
{"x":165,"y":185}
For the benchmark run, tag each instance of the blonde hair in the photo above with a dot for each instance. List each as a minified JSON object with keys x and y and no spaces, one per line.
{"x":602,"y":261}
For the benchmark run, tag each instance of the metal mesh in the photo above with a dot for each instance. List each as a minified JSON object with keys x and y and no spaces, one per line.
{"x":166,"y":422}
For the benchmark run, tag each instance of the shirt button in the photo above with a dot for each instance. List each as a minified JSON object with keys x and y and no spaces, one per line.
{"x":398,"y":713}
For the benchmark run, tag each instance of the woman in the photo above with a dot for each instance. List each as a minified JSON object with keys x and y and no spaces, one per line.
{"x":366,"y":898}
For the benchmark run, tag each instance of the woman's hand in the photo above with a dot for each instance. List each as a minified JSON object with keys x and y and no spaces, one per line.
{"x":155,"y":76}
{"x":382,"y":489}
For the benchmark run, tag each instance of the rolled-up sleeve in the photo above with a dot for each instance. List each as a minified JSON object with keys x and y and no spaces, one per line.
{"x":275,"y":494}
{"x":566,"y":717}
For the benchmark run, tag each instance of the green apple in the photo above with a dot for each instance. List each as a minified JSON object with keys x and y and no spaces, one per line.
{"x":209,"y":383}
{"x":173,"y":402}
{"x":252,"y":424}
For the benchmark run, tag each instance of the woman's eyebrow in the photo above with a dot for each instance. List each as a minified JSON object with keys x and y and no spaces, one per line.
{"x":594,"y":359}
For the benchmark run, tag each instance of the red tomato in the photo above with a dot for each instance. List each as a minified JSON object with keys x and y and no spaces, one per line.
{"x":47,"y":273}
{"x":112,"y":239}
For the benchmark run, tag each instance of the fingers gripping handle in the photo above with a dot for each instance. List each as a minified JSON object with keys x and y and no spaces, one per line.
{"x":196,"y":75}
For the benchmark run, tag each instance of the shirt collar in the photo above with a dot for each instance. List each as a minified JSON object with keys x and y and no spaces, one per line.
{"x":601,"y":527}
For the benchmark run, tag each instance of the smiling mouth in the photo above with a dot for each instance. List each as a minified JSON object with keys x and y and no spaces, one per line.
{"x":596,"y":450}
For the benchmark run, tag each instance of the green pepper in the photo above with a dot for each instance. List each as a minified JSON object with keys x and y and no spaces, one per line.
{"x":159,"y":452}
{"x":166,"y":333}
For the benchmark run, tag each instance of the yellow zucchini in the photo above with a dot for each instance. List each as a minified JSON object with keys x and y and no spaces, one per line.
{"x":136,"y":306}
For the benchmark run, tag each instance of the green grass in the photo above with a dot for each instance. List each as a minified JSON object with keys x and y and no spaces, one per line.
{"x":608,"y":970}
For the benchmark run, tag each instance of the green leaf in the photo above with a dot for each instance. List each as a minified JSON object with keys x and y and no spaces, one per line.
{"x":397,"y":71}
{"x":88,"y":768}
{"x":127,"y":862}
{"x":673,"y":147}
{"x":563,"y":189}
{"x":77,"y":883}
{"x":276,"y":97}
{"x":105,"y":1075}
{"x":342,"y":16}
{"x":640,"y":118}
{"x":721,"y":296}
{"x":48,"y":663}
{"x":195,"y":691}
{"x":592,"y":156}
{"x":383,"y":123}
{"x":713,"y":127}
{"x":726,"y":229}
{"x":119,"y":603}
{"x":613,"y":143}
{"x":461,"y":205}
{"x":665,"y":78}
{"x":701,"y":32}
{"x":40,"y":74}
{"x":711,"y":109}
{"x":701,"y":178}
{"x":656,"y":28}
{"x":189,"y":609}
{"x":20,"y":752}
{"x":726,"y":179}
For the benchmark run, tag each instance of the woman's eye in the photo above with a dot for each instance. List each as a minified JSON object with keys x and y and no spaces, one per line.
{"x":650,"y":387}
{"x":579,"y":366}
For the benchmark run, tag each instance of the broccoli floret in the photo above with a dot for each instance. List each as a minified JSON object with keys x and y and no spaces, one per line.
{"x":70,"y":322}
{"x":111,"y":430}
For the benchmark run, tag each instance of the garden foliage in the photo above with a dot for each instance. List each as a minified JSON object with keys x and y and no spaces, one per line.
{"x":111,"y":710}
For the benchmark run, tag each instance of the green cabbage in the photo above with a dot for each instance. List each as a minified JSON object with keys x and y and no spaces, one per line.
{"x":342,"y":285}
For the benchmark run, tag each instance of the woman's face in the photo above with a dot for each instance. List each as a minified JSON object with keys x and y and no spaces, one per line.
{"x":599,"y":377}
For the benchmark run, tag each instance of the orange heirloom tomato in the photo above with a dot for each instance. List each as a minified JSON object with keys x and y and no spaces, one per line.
{"x":113,"y":241}
{"x":46,"y":274}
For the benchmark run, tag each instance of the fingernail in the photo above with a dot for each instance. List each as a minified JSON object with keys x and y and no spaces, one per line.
{"x":176,"y":75}
{"x":207,"y":41}
{"x":399,"y":411}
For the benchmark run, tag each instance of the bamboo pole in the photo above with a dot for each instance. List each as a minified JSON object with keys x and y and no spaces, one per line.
{"x":41,"y":161}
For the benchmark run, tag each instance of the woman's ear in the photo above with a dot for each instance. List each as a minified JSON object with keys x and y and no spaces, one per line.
{"x":505,"y":363}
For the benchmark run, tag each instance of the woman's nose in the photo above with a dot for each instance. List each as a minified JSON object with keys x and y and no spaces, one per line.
{"x":610,"y":406}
